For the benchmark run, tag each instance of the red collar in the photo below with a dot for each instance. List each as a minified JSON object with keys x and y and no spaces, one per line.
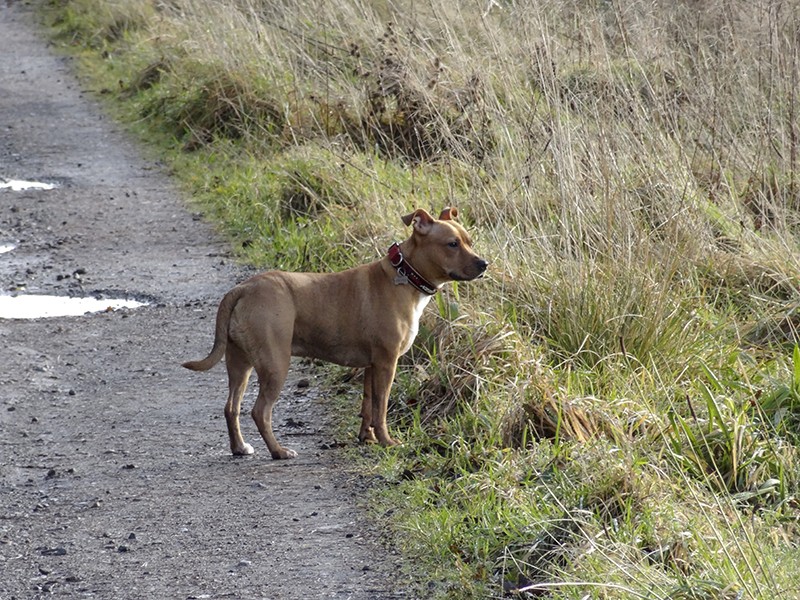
{"x":408,"y":274}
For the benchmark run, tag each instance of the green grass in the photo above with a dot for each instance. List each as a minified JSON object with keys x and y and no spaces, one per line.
{"x":613,"y":411}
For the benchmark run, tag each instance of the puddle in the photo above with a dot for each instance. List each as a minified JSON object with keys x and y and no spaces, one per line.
{"x":17,"y":185}
{"x":7,"y":248}
{"x":33,"y":306}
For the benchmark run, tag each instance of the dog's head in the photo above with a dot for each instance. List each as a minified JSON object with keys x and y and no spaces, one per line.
{"x":441,"y":249}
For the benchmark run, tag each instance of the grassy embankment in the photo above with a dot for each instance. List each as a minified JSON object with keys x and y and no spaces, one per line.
{"x":615,"y":411}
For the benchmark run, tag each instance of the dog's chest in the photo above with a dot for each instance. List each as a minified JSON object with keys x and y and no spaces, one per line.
{"x":414,"y":329}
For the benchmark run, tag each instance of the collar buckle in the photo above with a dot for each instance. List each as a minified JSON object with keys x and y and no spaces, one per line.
{"x":395,"y":255}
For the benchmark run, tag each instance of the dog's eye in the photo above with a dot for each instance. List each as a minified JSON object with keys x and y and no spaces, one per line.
{"x":453,"y":244}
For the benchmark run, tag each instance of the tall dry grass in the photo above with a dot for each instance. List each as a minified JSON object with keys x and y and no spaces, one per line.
{"x":630,"y":169}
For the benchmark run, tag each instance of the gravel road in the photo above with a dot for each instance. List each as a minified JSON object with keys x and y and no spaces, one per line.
{"x":115,"y":475}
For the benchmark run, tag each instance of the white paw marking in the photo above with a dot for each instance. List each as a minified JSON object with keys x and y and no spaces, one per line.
{"x":245,"y":450}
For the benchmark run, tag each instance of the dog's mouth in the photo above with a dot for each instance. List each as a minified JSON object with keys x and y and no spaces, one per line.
{"x":479,"y":267}
{"x":460,"y":277}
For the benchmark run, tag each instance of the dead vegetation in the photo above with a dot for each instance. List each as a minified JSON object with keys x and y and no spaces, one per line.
{"x":629,"y":169}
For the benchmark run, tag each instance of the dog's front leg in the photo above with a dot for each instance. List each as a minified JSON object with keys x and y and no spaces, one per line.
{"x":366,"y":434}
{"x":382,"y":377}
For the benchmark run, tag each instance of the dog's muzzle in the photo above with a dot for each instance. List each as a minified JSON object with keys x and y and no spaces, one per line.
{"x":477,"y":269}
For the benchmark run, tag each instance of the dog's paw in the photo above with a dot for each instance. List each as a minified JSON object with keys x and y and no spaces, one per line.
{"x":245,"y":450}
{"x":284,"y":453}
{"x":367,"y":437}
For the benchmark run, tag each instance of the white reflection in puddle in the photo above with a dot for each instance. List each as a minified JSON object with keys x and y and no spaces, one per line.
{"x":7,"y":248}
{"x":33,"y":306}
{"x":17,"y":185}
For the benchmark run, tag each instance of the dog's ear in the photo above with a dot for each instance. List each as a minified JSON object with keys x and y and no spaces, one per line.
{"x":420,"y":219}
{"x":449,"y":213}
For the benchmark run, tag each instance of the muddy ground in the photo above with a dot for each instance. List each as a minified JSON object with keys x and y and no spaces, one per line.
{"x":115,"y":475}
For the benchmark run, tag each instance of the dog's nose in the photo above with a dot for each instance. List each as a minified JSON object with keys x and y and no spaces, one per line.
{"x":481,"y":264}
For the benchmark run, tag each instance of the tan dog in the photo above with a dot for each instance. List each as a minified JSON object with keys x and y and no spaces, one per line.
{"x":363,"y":317}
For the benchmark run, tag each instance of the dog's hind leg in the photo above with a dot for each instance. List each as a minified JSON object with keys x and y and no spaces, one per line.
{"x":270,"y":382}
{"x":239,"y":370}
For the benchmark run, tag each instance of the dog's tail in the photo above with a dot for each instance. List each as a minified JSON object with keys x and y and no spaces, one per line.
{"x":220,"y":333}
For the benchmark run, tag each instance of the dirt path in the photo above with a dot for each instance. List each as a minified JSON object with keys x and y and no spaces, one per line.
{"x":115,"y":477}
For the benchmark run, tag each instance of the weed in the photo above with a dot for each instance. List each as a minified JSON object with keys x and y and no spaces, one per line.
{"x":781,"y":404}
{"x":722,"y":444}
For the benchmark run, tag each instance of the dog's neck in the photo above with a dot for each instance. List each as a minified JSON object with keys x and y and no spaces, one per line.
{"x":406,"y":274}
